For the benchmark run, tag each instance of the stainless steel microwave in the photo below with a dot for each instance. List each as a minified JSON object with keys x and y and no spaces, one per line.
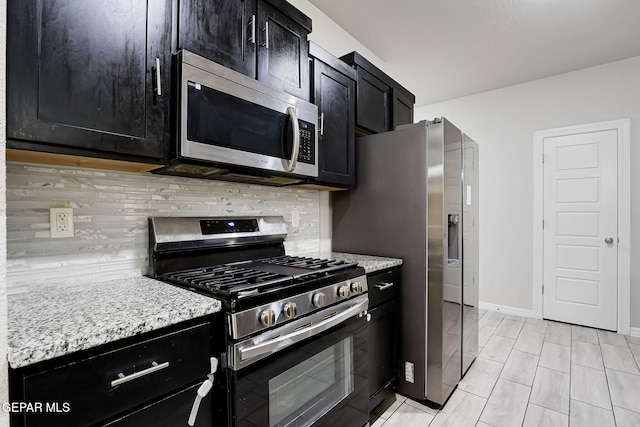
{"x":233,"y":127}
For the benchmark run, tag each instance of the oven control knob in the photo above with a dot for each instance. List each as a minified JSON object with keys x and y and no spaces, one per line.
{"x":356,"y":287}
{"x":319,"y":299}
{"x":290,"y":310}
{"x":343,"y":292}
{"x":268,"y":317}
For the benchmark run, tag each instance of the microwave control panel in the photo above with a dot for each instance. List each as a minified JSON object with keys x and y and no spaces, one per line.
{"x":307,"y":153}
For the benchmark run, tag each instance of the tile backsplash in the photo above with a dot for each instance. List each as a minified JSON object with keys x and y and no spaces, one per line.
{"x":110,"y":218}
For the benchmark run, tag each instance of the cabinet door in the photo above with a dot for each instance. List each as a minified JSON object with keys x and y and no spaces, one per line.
{"x":82,"y":74}
{"x":402,"y":109}
{"x":222,"y":31}
{"x":283,"y":52}
{"x":373,"y":110}
{"x":334,"y":96}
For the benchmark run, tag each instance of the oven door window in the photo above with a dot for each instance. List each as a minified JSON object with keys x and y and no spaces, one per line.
{"x":322,"y":381}
{"x":313,"y":387}
{"x":223,"y":120}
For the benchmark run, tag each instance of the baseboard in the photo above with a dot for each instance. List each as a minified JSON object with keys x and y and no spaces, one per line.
{"x":507,"y":309}
{"x":634,"y":332}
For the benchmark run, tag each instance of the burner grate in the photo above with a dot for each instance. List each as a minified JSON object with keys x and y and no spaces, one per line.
{"x":226,"y":278}
{"x":316,"y":264}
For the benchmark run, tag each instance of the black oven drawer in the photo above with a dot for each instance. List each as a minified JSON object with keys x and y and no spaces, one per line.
{"x":102,"y":386}
{"x":169,"y":412}
{"x":383,"y":286}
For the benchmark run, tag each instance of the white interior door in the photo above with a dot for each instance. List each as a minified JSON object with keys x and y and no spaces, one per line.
{"x":580,"y":237}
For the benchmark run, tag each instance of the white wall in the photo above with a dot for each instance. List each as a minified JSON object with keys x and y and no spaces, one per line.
{"x":502,"y":122}
{"x":332,"y":37}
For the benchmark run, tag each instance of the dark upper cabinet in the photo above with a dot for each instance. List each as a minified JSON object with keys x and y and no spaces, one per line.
{"x":381,"y":102}
{"x":262,"y":39}
{"x":402,"y":107}
{"x":334,"y":94}
{"x":82,"y":77}
{"x":220,"y":30}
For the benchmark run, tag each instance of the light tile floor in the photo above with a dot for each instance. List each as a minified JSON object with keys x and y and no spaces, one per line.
{"x":535,"y":373}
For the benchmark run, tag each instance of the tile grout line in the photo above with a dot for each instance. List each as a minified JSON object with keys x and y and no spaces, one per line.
{"x":606,"y":376}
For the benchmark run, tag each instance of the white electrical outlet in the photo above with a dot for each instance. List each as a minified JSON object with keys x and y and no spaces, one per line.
{"x":61,"y":222}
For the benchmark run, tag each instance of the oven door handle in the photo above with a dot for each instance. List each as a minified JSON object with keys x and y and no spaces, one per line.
{"x":287,"y":340}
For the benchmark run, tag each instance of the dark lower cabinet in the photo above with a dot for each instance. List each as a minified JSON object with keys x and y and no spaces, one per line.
{"x":150,"y":381}
{"x":382,"y":104}
{"x":384,"y":288}
{"x":169,"y":412}
{"x":333,"y":91}
{"x":83,"y":77}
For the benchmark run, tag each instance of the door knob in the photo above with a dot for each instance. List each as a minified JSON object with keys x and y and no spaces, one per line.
{"x":608,"y":240}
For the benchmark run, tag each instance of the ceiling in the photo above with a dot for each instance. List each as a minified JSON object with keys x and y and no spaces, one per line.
{"x":445,"y":49}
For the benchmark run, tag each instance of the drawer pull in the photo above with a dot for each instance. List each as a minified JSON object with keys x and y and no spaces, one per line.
{"x":384,"y":285}
{"x":122,"y":378}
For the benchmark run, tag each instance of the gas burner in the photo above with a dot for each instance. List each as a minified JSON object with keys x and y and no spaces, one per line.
{"x":324,"y":265}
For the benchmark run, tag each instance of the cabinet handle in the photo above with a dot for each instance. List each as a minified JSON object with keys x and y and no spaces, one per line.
{"x":122,"y":378}
{"x":384,"y":285}
{"x":158,"y":79}
{"x":266,"y":35}
{"x":321,"y":124}
{"x":252,"y":39}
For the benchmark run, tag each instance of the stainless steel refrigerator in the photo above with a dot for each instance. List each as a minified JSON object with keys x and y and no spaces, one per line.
{"x":417,"y":199}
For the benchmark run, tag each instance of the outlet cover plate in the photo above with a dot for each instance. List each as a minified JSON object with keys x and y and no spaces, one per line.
{"x":61,"y":222}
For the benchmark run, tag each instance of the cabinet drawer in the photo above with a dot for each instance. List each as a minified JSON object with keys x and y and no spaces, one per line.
{"x":169,"y":412}
{"x":107,"y":384}
{"x":383,"y":286}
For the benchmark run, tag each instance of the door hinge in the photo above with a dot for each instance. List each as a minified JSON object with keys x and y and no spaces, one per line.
{"x":542,"y":289}
{"x":542,"y":157}
{"x":543,"y":223}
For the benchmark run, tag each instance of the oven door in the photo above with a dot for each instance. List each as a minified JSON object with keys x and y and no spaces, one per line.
{"x":321,"y":381}
{"x":228,"y":118}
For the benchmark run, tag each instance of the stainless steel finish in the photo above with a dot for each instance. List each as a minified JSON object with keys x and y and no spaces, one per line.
{"x":608,"y":240}
{"x":411,"y":221}
{"x":356,"y":287}
{"x":207,"y":73}
{"x":155,"y":367}
{"x":266,"y":35}
{"x":158,"y":78}
{"x":296,"y":140}
{"x":322,"y":124}
{"x":319,"y":299}
{"x":384,"y":285}
{"x":290,"y":310}
{"x":470,"y":250}
{"x":248,"y":322}
{"x":187,"y":229}
{"x":252,"y":39}
{"x":343,"y":291}
{"x":246,"y":352}
{"x":268,"y":317}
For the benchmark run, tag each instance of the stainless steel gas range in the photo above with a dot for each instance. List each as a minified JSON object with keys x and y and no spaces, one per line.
{"x":293,"y":345}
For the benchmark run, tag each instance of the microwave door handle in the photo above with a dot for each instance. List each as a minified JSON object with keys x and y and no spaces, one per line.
{"x":287,"y":340}
{"x":296,"y":139}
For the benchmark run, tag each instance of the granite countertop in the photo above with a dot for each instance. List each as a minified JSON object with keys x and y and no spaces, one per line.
{"x":370,"y":263}
{"x":59,"y":320}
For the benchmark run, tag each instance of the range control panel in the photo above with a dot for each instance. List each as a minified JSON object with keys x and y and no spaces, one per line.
{"x":307,"y":153}
{"x":220,"y":226}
